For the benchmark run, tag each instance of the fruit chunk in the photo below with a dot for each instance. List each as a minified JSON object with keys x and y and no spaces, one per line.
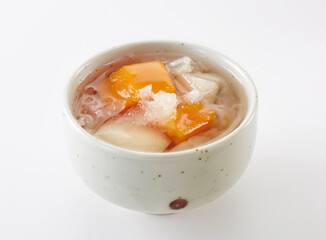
{"x":197,"y":140}
{"x":190,"y":119}
{"x":206,"y":83}
{"x":133,"y":137}
{"x":185,"y":65}
{"x":126,"y":82}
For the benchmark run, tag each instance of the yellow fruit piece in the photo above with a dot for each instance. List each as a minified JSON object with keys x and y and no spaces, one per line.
{"x":190,"y":119}
{"x":126,"y":82}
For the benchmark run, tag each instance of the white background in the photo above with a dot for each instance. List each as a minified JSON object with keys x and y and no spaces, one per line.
{"x":281,"y":43}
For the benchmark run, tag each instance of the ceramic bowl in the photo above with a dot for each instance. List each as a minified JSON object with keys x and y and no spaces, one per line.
{"x":161,"y":183}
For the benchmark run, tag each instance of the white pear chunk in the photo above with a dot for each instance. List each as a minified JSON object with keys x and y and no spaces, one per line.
{"x":197,"y":140}
{"x":181,"y":65}
{"x":133,"y":137}
{"x":208,"y":84}
{"x":185,"y":65}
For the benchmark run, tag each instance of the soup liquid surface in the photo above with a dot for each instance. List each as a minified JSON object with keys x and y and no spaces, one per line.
{"x":136,"y":127}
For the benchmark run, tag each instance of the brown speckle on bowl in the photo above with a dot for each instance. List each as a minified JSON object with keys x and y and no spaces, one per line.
{"x":141,"y":171}
{"x":178,"y":204}
{"x":206,"y":151}
{"x":159,"y":175}
{"x":222,"y":170}
{"x":199,"y":158}
{"x":154,"y":178}
{"x":227,"y":174}
{"x":182,"y":172}
{"x":230,"y":144}
{"x":136,"y":195}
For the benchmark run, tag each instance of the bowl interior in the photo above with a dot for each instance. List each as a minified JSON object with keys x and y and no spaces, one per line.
{"x":225,"y":66}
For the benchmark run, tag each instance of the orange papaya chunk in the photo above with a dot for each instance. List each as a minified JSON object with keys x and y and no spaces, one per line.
{"x":190,"y":119}
{"x":128,"y":80}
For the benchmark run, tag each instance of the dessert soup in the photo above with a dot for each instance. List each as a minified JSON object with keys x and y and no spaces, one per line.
{"x":159,"y":102}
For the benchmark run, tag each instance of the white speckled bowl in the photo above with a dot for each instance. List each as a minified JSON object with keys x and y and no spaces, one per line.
{"x":161,"y":183}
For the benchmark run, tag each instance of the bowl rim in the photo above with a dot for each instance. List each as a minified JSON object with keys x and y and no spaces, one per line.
{"x":250,"y":113}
